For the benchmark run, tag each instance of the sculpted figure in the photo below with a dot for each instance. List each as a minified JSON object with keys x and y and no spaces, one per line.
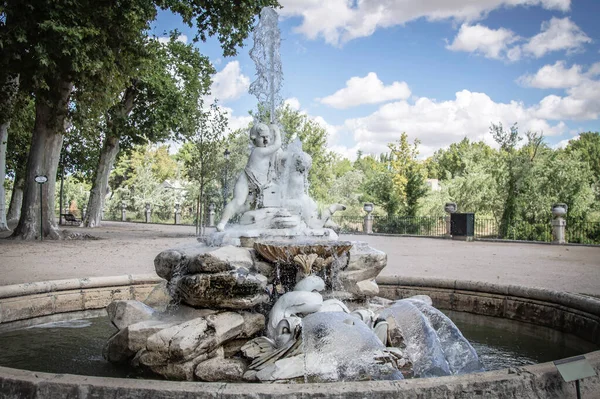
{"x":256,"y":174}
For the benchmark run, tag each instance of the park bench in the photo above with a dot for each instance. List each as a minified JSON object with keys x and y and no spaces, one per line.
{"x":71,"y":219}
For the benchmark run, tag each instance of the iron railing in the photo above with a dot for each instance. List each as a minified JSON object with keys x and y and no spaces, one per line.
{"x":583,"y":232}
{"x":430,"y":226}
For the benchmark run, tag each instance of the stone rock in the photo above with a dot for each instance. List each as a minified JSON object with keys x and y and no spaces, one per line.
{"x":116,"y":349}
{"x":220,"y":260}
{"x":166,"y":261}
{"x":184,"y":313}
{"x":189,"y":341}
{"x":232,"y":290}
{"x":284,"y":369}
{"x":362,"y":257}
{"x":179,"y":341}
{"x":267,"y":269}
{"x":253,"y":324}
{"x":233,"y":347}
{"x":367,"y":288}
{"x":139,"y":333}
{"x":125,"y":313}
{"x":159,"y":298}
{"x":227,"y":325}
{"x":150,"y":358}
{"x":218,"y":369}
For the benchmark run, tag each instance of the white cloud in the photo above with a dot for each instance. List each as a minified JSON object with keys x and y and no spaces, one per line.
{"x":293,"y":102}
{"x":339,"y":21}
{"x":180,"y":38}
{"x":553,"y":77}
{"x":581,"y":102}
{"x":565,"y":142}
{"x":229,"y":83}
{"x":236,"y":122}
{"x":582,"y":99}
{"x":556,"y":34}
{"x":367,"y":90}
{"x":439,"y":123}
{"x":492,"y":43}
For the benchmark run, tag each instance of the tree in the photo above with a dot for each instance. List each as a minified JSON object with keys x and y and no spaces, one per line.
{"x":588,"y":146}
{"x":510,"y":180}
{"x":452,"y":162}
{"x":19,"y":138}
{"x":155,"y":106}
{"x":59,"y":45}
{"x":202,"y":157}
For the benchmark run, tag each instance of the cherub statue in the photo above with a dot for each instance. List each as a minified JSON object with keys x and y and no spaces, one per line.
{"x":256,"y":175}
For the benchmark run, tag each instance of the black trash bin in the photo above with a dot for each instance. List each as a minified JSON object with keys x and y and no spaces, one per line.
{"x":462,"y":226}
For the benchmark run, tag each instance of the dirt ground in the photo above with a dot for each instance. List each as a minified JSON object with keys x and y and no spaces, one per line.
{"x":130,"y":248}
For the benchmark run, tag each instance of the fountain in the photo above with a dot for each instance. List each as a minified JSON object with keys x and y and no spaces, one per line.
{"x":278,"y":298}
{"x":283,"y":270}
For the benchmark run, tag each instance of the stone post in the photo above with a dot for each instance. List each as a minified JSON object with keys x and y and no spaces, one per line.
{"x":211,"y":215}
{"x":368,"y":222}
{"x":450,"y":208}
{"x":83,"y":213}
{"x":177,"y":214}
{"x":123,"y":211}
{"x":148,"y":212}
{"x":559,"y":223}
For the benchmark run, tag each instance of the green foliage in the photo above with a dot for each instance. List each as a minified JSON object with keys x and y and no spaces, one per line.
{"x":75,"y":194}
{"x":141,"y":177}
{"x":19,"y":135}
{"x":588,"y":146}
{"x":452,"y":162}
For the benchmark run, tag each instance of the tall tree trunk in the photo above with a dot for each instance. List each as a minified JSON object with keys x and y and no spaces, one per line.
{"x":9,"y":89}
{"x":44,"y":155}
{"x":3,"y":140}
{"x":110,"y":149}
{"x":16,"y":199}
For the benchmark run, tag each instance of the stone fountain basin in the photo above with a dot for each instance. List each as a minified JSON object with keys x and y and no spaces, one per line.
{"x":34,"y":303}
{"x":284,"y":251}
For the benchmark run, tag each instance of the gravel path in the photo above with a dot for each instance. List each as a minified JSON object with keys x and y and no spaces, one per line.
{"x":130,"y":248}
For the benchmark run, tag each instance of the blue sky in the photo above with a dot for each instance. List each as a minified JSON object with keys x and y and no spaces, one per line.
{"x":439,"y":70}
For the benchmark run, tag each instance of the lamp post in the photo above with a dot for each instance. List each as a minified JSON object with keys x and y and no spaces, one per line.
{"x":450,"y":208}
{"x":368,"y":222}
{"x":226,"y":154}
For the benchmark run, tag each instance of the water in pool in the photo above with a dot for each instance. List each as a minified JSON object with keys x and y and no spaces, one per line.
{"x":75,"y":346}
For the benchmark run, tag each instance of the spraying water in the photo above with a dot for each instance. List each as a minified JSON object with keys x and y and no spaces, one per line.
{"x":265,"y":54}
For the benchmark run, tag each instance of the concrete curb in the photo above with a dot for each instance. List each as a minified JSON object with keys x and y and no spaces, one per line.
{"x":575,"y":301}
{"x":536,"y":381}
{"x":10,"y":291}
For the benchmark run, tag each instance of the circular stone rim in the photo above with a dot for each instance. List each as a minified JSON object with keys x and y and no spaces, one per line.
{"x":527,"y":381}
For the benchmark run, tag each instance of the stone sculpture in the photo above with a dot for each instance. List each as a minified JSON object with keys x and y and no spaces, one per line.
{"x":257,"y":175}
{"x":285,"y":263}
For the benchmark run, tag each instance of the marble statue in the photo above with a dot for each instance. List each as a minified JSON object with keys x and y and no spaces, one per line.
{"x":257,"y":173}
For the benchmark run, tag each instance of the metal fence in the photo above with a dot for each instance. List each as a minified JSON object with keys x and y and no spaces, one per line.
{"x":583,"y":232}
{"x":577,"y":231}
{"x":520,"y":230}
{"x":429,"y":226}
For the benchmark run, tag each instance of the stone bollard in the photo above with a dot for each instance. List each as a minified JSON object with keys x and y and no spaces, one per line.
{"x":84,"y":213}
{"x":123,"y":211}
{"x":368,"y":222}
{"x":177,"y":214}
{"x":148,"y":212}
{"x":559,"y":223}
{"x":211,"y":215}
{"x":450,"y":208}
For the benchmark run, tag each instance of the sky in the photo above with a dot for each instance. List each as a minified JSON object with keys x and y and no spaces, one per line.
{"x":439,"y":70}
